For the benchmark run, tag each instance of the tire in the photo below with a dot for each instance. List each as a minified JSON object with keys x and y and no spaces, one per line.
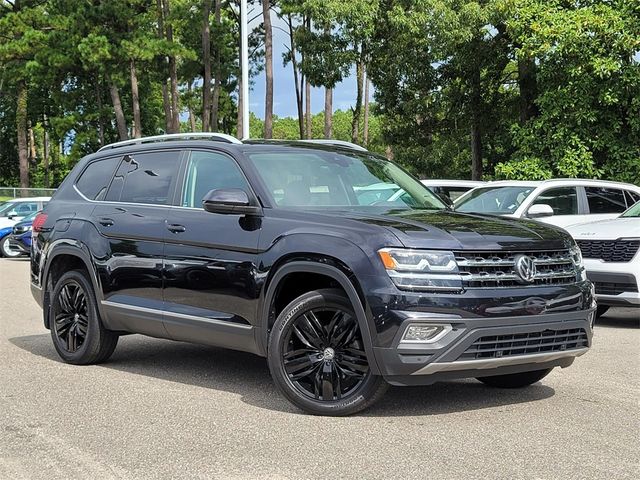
{"x":515,"y":380}
{"x":76,"y":329}
{"x":6,"y":251}
{"x":316,"y":356}
{"x":601,"y":310}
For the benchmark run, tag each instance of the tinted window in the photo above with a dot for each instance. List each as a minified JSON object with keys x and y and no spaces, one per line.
{"x":632,"y":197}
{"x":19,"y":209}
{"x":145,"y":178}
{"x":94,"y":180}
{"x":210,"y":171}
{"x":499,"y":200}
{"x":605,"y":200}
{"x":564,"y":201}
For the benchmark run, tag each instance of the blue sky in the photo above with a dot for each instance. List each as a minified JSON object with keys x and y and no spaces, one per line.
{"x":284,"y":97}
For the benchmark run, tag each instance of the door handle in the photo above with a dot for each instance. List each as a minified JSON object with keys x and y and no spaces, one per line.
{"x":105,"y":222}
{"x":176,"y":228}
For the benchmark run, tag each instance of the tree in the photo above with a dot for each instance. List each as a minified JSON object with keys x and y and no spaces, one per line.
{"x":268,"y":62}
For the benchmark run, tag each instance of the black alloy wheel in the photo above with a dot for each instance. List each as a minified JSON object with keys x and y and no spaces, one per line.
{"x":317,"y":356}
{"x":324,"y":357}
{"x":77,"y":331}
{"x":70,"y":320}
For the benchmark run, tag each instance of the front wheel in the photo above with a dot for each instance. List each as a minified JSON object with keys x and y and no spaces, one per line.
{"x":515,"y":380}
{"x":317,"y":357}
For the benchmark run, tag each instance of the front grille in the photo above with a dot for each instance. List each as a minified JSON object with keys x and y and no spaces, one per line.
{"x":609,"y":250}
{"x":496,"y":269}
{"x":614,"y":288}
{"x":500,"y":346}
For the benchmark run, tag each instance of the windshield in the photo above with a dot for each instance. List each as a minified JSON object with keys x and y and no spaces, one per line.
{"x":331,"y":179}
{"x":498,"y":200}
{"x":5,"y":208}
{"x":633,"y":211}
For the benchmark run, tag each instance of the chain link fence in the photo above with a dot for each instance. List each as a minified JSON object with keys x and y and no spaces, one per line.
{"x":11,"y":192}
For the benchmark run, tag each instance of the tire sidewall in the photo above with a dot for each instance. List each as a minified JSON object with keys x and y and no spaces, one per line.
{"x":355,"y":401}
{"x":91,"y":341}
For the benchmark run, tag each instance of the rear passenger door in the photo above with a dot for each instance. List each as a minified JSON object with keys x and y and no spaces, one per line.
{"x":210,"y":259}
{"x":132,"y":221}
{"x":605,"y":202}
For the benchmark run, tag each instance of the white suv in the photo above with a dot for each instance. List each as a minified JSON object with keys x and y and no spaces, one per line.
{"x":12,"y":211}
{"x":611,"y":252}
{"x":561,"y":202}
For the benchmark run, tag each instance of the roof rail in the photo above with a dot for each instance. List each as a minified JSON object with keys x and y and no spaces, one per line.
{"x":337,"y":143}
{"x":219,"y":137}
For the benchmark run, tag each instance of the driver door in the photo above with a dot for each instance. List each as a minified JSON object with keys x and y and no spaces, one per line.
{"x":210,"y":259}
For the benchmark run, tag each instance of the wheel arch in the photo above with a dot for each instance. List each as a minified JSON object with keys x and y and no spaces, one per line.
{"x":316,"y":268}
{"x":59,"y":256}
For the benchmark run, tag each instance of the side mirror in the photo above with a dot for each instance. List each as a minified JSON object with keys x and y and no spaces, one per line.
{"x":540,"y":210}
{"x":11,"y":215}
{"x":234,"y":201}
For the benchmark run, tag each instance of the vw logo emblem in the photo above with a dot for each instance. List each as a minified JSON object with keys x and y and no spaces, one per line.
{"x":525,"y":268}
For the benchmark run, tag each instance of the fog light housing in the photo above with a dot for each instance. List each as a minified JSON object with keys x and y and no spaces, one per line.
{"x":424,"y":333}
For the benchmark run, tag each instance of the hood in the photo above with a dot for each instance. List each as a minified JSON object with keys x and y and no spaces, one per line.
{"x":626,"y":227}
{"x":466,"y":231}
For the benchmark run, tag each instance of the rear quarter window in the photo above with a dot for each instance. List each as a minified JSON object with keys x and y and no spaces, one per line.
{"x":605,"y":200}
{"x":95,"y":178}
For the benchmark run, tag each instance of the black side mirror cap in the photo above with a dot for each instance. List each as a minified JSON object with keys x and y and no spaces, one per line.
{"x":230,"y":201}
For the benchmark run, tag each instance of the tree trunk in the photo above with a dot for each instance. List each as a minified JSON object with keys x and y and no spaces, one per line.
{"x":173,"y":73}
{"x":121,"y":122}
{"x":135,"y":100}
{"x":32,"y":144}
{"x":476,"y":129}
{"x":365,"y":129}
{"x":328,"y":112}
{"x":307,"y":108}
{"x":206,"y":62}
{"x":21,"y":129}
{"x":268,"y":69}
{"x":100,"y":119}
{"x":166,"y":104}
{"x":298,"y":86}
{"x":45,"y":152}
{"x":166,"y":101}
{"x":355,"y":122}
{"x":527,"y":82}
{"x":192,"y":117}
{"x":215,"y":101}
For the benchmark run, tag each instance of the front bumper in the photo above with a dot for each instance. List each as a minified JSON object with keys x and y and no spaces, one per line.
{"x":447,"y":358}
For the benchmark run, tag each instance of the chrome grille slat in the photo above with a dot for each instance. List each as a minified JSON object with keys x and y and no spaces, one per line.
{"x":486,"y":269}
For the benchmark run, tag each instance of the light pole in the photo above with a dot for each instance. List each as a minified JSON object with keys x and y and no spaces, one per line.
{"x":244,"y":67}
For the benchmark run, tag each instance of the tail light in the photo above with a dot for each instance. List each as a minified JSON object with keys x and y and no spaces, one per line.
{"x":38,"y":223}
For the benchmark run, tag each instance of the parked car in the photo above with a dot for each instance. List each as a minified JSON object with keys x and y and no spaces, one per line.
{"x":610,"y":249}
{"x":17,"y":241}
{"x":269,"y":248}
{"x":451,"y":190}
{"x":12,"y":211}
{"x":561,"y":202}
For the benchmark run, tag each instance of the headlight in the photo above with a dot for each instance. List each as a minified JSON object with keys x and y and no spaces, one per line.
{"x":576,"y":257}
{"x":421,"y":269}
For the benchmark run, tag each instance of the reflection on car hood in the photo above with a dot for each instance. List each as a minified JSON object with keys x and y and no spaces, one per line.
{"x":453,"y":230}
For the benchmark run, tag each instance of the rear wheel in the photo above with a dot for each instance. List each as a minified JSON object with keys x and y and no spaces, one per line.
{"x":8,"y":250}
{"x":515,"y":380}
{"x":601,"y":310}
{"x":317,"y":356}
{"x":76,"y":329}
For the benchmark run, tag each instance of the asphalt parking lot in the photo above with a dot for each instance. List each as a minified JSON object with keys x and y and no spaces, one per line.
{"x":162,"y":409}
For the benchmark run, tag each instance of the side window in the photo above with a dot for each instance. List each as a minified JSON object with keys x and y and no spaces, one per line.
{"x":210,"y":171}
{"x":94,"y":180}
{"x":24,"y":209}
{"x":145,"y":178}
{"x":563,"y":200}
{"x":605,"y":200}
{"x":632,"y":197}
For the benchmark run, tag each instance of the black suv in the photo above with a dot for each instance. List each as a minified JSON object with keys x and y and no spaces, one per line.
{"x":334,"y":263}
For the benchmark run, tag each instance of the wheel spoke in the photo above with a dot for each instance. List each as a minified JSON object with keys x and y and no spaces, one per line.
{"x":63,"y":322}
{"x":314,"y":332}
{"x":345,"y":337}
{"x":327,"y":381}
{"x":353,"y":367}
{"x":64,"y":299}
{"x":336,"y":320}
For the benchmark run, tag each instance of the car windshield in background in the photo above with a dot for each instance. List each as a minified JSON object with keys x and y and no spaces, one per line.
{"x":5,"y":208}
{"x":330,"y":179}
{"x":633,"y":211}
{"x":498,"y":200}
